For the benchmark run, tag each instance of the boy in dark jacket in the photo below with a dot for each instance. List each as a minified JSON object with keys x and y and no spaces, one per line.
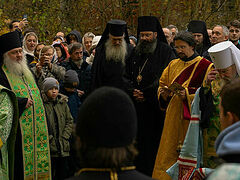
{"x":60,"y":125}
{"x":69,"y":89}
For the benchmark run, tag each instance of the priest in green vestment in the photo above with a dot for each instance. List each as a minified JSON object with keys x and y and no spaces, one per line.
{"x":32,"y":154}
{"x":8,"y":130}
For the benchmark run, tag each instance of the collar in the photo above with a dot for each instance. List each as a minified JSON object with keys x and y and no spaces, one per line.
{"x":190,"y":58}
{"x":112,"y":171}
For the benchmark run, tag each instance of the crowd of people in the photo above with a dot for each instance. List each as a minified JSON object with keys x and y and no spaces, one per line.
{"x":161,"y":104}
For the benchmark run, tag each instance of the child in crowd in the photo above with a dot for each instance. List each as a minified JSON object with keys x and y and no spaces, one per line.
{"x":70,"y":83}
{"x":60,"y":126}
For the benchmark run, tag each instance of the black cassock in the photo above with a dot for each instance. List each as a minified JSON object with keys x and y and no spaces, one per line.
{"x":108,"y":73}
{"x":150,"y":118}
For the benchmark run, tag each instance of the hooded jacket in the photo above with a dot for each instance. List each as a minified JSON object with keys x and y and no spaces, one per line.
{"x":227,"y":144}
{"x":65,"y":54}
{"x":76,"y":34}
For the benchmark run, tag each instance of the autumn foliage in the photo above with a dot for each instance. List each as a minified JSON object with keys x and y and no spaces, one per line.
{"x":50,"y":16}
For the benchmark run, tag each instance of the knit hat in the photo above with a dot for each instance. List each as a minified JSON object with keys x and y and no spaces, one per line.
{"x":49,"y":83}
{"x":107,"y":118}
{"x":71,"y":79}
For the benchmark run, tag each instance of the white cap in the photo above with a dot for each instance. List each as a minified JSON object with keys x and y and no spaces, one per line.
{"x":225,"y":54}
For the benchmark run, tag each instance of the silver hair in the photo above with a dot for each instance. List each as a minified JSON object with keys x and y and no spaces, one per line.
{"x":116,"y":53}
{"x":171,"y":26}
{"x":224,"y":28}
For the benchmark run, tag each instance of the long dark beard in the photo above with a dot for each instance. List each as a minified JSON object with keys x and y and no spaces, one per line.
{"x":146,"y":47}
{"x":116,"y":53}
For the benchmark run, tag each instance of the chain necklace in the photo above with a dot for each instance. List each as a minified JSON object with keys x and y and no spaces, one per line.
{"x":139,"y":77}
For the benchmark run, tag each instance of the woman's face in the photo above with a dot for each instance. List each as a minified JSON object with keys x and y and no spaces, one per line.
{"x":88,"y":43}
{"x":31,"y":42}
{"x":58,"y":51}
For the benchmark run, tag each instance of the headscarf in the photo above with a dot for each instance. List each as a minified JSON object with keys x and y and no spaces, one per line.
{"x":25,"y":49}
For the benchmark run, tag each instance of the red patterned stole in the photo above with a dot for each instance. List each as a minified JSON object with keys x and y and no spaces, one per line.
{"x":195,"y":82}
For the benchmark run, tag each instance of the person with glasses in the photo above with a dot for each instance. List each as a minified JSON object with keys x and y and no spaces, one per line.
{"x":177,"y":88}
{"x":46,"y":68}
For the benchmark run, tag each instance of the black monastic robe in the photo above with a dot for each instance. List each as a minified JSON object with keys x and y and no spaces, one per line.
{"x":150,"y":118}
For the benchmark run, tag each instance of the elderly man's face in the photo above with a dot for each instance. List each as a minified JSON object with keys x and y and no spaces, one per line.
{"x":198,"y":37}
{"x":148,"y":36}
{"x":116,"y":40}
{"x":77,"y":55}
{"x":228,"y":73}
{"x":218,"y":35}
{"x":16,"y":54}
{"x":168,"y":34}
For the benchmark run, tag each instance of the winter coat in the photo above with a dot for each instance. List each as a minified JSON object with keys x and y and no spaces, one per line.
{"x":60,"y":125}
{"x":84,"y":75}
{"x":57,"y":72}
{"x":74,"y":102}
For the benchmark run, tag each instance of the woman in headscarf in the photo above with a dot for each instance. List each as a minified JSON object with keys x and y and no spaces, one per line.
{"x":30,"y":42}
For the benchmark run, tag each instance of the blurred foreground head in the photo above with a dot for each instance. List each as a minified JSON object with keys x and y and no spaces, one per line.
{"x":106,"y":128}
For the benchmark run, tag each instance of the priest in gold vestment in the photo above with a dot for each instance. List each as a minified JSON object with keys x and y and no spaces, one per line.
{"x":177,"y":87}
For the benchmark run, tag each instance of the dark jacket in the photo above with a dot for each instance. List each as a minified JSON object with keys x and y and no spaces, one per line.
{"x":74,"y":102}
{"x":84,"y":75}
{"x":60,"y":125}
{"x":56,"y":72}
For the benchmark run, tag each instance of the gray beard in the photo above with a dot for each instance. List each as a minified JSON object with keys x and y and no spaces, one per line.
{"x":18,"y":68}
{"x":78,"y":63}
{"x":116,"y":53}
{"x":145,"y":47}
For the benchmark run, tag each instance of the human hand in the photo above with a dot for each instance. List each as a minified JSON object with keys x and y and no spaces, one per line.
{"x":211,"y":76}
{"x":29,"y":103}
{"x":165,"y":92}
{"x":182,"y":94}
{"x":138,"y":95}
{"x":23,"y":23}
{"x":38,"y":67}
{"x":80,"y":93}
